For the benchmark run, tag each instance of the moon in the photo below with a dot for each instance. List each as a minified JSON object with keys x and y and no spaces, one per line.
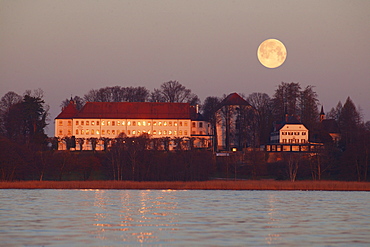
{"x":271,"y":53}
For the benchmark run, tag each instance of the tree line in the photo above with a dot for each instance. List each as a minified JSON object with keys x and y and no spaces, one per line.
{"x":24,"y":118}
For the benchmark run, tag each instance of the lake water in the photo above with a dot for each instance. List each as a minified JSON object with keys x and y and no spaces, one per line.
{"x":183,"y":218}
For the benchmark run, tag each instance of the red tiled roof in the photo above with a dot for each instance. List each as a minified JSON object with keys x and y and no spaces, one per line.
{"x":68,"y":112}
{"x":234,"y":99}
{"x":134,"y":110}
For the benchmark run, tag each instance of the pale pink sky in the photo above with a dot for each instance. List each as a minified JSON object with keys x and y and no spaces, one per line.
{"x":69,"y":47}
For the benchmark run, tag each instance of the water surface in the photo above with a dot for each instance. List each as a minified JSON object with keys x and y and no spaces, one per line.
{"x":183,"y":218}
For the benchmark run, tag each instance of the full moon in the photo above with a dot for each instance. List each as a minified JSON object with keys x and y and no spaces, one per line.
{"x":271,"y":53}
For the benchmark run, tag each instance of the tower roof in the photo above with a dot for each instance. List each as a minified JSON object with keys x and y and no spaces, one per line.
{"x":234,"y":99}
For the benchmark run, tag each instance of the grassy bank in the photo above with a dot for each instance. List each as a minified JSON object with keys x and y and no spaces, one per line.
{"x":203,"y":185}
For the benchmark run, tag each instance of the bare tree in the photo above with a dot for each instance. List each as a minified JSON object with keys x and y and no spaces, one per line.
{"x":175,"y":92}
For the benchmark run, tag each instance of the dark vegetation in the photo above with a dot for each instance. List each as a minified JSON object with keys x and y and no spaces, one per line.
{"x":26,"y":153}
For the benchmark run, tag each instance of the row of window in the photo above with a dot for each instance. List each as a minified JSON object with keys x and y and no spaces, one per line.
{"x":129,"y":123}
{"x":294,"y":141}
{"x":129,"y":132}
{"x":293,"y":133}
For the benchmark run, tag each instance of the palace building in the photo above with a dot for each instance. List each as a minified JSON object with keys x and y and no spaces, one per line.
{"x":111,"y":119}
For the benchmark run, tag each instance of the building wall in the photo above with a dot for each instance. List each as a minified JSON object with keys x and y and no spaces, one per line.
{"x":291,"y":133}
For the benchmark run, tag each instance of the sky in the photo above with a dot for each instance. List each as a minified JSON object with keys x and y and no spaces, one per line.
{"x":210,"y":46}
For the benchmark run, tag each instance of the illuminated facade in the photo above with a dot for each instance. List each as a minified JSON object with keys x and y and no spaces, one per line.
{"x":291,"y":131}
{"x":99,"y":120}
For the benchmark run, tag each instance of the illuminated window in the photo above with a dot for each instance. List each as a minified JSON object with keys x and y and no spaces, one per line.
{"x":60,"y":123}
{"x":154,"y":123}
{"x":303,"y":140}
{"x":159,"y":132}
{"x":82,"y":132}
{"x":144,"y":123}
{"x":108,"y":123}
{"x":296,"y":133}
{"x":138,"y":132}
{"x":113,"y":132}
{"x":128,"y":123}
{"x":118,"y":123}
{"x":164,"y":132}
{"x":87,"y":132}
{"x":92,"y":132}
{"x":159,"y":123}
{"x":180,"y":132}
{"x":76,"y":122}
{"x":87,"y":123}
{"x":113,"y":123}
{"x":92,"y":123}
{"x":69,"y":123}
{"x":175,"y":123}
{"x":108,"y":132}
{"x":180,"y":123}
{"x":170,"y":123}
{"x":154,"y":132}
{"x":138,"y":123}
{"x":97,"y":122}
{"x":76,"y":132}
{"x":123,"y":122}
{"x":185,"y":132}
{"x":98,"y":132}
{"x":129,"y":132}
{"x":149,"y":123}
{"x":102,"y":122}
{"x":103,"y":132}
{"x":185,"y":123}
{"x":149,"y":132}
{"x":170,"y":132}
{"x":165,"y":123}
{"x":175,"y":132}
{"x":133,"y":123}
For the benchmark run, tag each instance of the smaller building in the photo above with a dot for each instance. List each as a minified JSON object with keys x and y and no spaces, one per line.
{"x":290,"y":131}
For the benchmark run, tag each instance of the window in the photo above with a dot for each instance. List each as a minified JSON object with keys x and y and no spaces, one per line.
{"x":296,"y":133}
{"x":138,"y":132}
{"x":82,"y":132}
{"x":159,"y":123}
{"x":82,"y":122}
{"x":129,"y":132}
{"x":144,"y":123}
{"x":185,"y":123}
{"x":175,"y":123}
{"x":180,"y":123}
{"x":118,"y":123}
{"x":164,"y":132}
{"x":155,"y":123}
{"x":103,"y":123}
{"x":201,"y":125}
{"x":103,"y":132}
{"x":180,"y":132}
{"x":97,"y":122}
{"x":92,"y":123}
{"x":76,"y":122}
{"x":108,"y":123}
{"x":128,"y":123}
{"x":113,"y":123}
{"x":69,"y":123}
{"x":108,"y":132}
{"x":87,"y":123}
{"x":165,"y":123}
{"x":185,"y":132}
{"x":159,"y":132}
{"x":60,"y":132}
{"x":193,"y":124}
{"x":154,"y":132}
{"x":60,"y":123}
{"x":138,"y":123}
{"x":170,"y":123}
{"x":113,"y":132}
{"x":303,"y":133}
{"x":98,"y":132}
{"x":123,"y":122}
{"x":87,"y":132}
{"x":76,"y":132}
{"x":133,"y":123}
{"x":170,"y":132}
{"x":92,"y":132}
{"x":175,"y":132}
{"x":149,"y":123}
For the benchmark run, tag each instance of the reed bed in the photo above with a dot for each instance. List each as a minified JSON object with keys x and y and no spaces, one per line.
{"x":200,"y":185}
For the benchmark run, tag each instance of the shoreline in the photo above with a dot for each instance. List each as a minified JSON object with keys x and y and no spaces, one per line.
{"x":307,"y":185}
